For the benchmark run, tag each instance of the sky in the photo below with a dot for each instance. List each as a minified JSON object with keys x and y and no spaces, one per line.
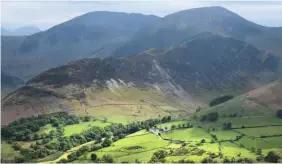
{"x":47,"y":13}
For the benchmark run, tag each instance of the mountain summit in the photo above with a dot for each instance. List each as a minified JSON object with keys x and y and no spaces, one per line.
{"x":178,"y":27}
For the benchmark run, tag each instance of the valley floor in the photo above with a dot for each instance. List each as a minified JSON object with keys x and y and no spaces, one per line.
{"x":185,"y":140}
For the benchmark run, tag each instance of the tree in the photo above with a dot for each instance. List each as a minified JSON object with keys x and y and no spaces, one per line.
{"x":107,"y":158}
{"x":173,"y":127}
{"x":272,"y":157}
{"x":279,"y":113}
{"x":86,"y":118}
{"x":93,"y":157}
{"x":212,"y":117}
{"x":158,"y":156}
{"x":221,"y":99}
{"x":72,"y":156}
{"x":107,"y":142}
{"x":259,"y":151}
{"x":16,"y":146}
{"x":207,"y":160}
{"x":227,"y":126}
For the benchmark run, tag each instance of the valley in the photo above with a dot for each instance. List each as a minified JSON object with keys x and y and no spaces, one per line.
{"x":200,"y":85}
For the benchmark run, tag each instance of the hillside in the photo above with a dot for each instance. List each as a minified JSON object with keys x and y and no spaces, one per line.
{"x":91,"y":34}
{"x":237,"y":131}
{"x":263,"y":101}
{"x":9,"y":83}
{"x":175,"y":78}
{"x":177,"y":27}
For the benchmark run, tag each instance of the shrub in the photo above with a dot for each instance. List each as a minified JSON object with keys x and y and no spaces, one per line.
{"x":93,"y":157}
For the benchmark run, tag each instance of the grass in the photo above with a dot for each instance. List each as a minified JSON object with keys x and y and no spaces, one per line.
{"x":26,"y":144}
{"x":7,"y":152}
{"x":253,"y":142}
{"x":141,"y":132}
{"x":132,"y":147}
{"x":195,"y":158}
{"x":126,"y":104}
{"x":191,"y":134}
{"x":82,"y":126}
{"x":238,"y":122}
{"x":232,"y":150}
{"x":261,"y":131}
{"x":274,"y":141}
{"x":142,"y":156}
{"x":210,"y":147}
{"x":125,"y":113}
{"x":46,"y":129}
{"x":65,"y":154}
{"x":240,"y":105}
{"x":225,"y":134}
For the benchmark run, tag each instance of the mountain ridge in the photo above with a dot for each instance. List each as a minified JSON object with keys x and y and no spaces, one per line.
{"x":177,"y":27}
{"x":228,"y":66}
{"x":21,"y":31}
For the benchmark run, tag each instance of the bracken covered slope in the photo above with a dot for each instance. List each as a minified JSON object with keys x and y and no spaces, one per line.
{"x":193,"y":72}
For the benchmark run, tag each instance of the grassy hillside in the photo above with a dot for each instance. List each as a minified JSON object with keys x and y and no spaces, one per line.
{"x":243,"y":131}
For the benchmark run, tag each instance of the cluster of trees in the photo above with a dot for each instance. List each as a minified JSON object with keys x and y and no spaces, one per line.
{"x":220,"y":100}
{"x":279,"y":113}
{"x":24,"y":129}
{"x":212,"y":117}
{"x":181,"y":126}
{"x":158,"y":156}
{"x":230,"y":115}
{"x":227,"y":126}
{"x":103,"y":137}
{"x":273,"y":157}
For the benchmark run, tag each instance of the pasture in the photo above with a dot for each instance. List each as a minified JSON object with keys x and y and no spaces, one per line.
{"x":82,"y":126}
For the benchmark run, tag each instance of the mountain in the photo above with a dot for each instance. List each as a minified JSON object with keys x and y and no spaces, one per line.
{"x":22,"y":31}
{"x":183,"y":78}
{"x":175,"y":28}
{"x":92,"y":34}
{"x":9,"y":83}
{"x":4,"y":31}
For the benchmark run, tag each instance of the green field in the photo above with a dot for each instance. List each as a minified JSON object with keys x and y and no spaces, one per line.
{"x":78,"y":128}
{"x":132,"y":147}
{"x":261,"y":131}
{"x":191,"y":134}
{"x":238,"y":122}
{"x":225,"y":134}
{"x":232,"y":150}
{"x":141,"y":132}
